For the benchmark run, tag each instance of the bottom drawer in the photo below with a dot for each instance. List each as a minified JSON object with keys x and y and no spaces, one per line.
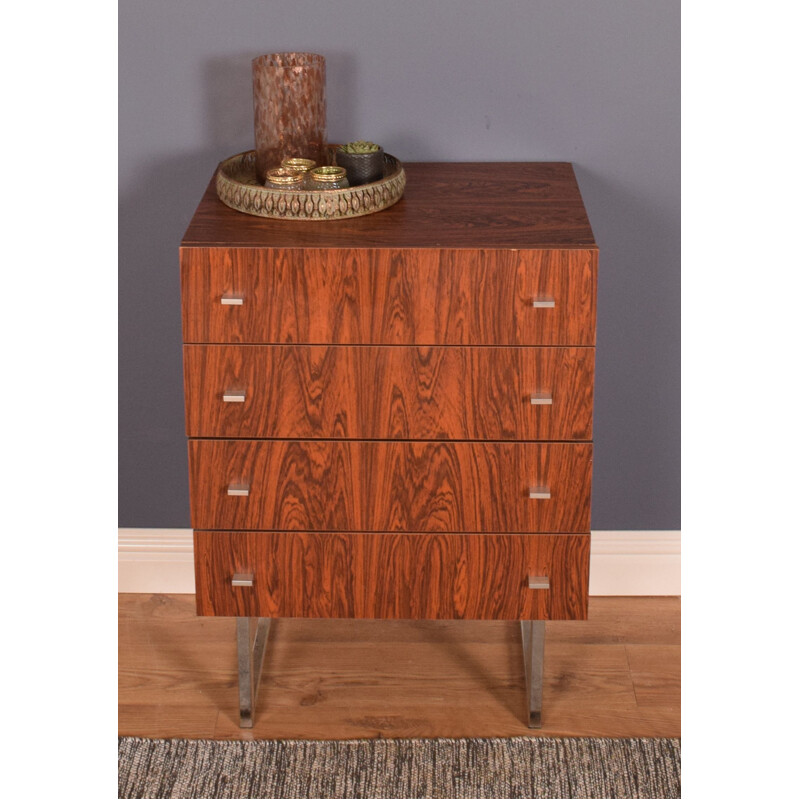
{"x":391,"y":575}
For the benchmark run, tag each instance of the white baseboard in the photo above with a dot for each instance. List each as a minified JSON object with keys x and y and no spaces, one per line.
{"x":160,"y":560}
{"x":156,"y":560}
{"x":635,"y":563}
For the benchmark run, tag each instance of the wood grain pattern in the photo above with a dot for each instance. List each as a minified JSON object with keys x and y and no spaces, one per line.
{"x":391,"y":575}
{"x":503,"y":205}
{"x":414,"y":296}
{"x":340,"y":485}
{"x":349,"y":679}
{"x":302,"y":391}
{"x":387,"y":363}
{"x":656,"y":673}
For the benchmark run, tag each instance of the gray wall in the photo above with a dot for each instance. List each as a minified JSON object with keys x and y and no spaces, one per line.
{"x":595,"y":83}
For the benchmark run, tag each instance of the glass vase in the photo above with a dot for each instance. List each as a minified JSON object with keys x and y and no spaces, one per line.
{"x":289,"y":108}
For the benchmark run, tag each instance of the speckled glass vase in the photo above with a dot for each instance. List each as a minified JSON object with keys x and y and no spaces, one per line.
{"x":289,"y":106}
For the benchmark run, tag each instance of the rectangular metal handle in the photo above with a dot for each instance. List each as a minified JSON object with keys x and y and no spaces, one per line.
{"x":232,"y":300}
{"x":538,"y":582}
{"x":539,"y":493}
{"x":238,"y":490}
{"x":541,"y":399}
{"x":240,"y":579}
{"x":233,"y":397}
{"x":543,"y":302}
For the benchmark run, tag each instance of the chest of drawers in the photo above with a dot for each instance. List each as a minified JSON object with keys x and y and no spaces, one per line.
{"x":391,"y":416}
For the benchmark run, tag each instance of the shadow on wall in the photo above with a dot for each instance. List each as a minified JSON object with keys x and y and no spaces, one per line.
{"x":229,"y":108}
{"x":153,"y":215}
{"x":228,"y":86}
{"x":637,"y":374}
{"x":229,"y":99}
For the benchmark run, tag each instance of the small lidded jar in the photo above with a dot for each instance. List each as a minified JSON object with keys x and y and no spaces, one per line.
{"x":300,"y":164}
{"x":327,"y":178}
{"x":284,"y":178}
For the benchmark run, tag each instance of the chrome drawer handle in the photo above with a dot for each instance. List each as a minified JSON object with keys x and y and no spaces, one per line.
{"x":543,"y":302}
{"x":232,"y":300}
{"x":239,"y":490}
{"x":538,"y":582}
{"x":233,"y":397}
{"x":539,"y":493}
{"x":541,"y":399}
{"x":241,"y":580}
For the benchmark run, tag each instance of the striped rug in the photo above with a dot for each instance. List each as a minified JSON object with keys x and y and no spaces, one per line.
{"x":400,"y":768}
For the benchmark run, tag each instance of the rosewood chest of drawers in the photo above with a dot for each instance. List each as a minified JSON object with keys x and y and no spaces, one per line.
{"x":391,"y":416}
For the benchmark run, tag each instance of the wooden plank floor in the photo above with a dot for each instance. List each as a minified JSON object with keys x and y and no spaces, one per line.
{"x":617,"y":674}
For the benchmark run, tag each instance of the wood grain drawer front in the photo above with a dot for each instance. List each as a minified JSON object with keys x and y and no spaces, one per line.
{"x":337,"y":485}
{"x":423,"y":296}
{"x":391,"y":575}
{"x":304,"y":391}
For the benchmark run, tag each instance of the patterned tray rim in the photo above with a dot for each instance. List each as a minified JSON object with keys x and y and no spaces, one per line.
{"x":322,"y":205}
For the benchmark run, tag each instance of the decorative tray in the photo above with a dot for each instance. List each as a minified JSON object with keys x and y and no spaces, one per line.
{"x":238,"y":187}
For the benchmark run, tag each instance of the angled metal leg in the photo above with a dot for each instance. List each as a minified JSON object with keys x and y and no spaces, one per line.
{"x":533,"y":652}
{"x":251,"y":660}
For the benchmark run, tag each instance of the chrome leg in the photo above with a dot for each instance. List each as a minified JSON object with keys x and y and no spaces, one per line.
{"x":533,"y":652}
{"x":251,"y":660}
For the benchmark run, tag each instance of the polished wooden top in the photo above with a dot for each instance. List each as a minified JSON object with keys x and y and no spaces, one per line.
{"x":444,"y":206}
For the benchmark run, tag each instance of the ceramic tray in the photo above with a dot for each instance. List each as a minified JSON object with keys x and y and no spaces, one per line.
{"x":238,"y":187}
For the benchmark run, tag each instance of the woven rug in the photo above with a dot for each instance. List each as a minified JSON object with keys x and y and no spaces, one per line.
{"x":400,"y":768}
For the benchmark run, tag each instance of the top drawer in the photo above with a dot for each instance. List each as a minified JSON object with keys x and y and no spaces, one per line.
{"x":360,"y":296}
